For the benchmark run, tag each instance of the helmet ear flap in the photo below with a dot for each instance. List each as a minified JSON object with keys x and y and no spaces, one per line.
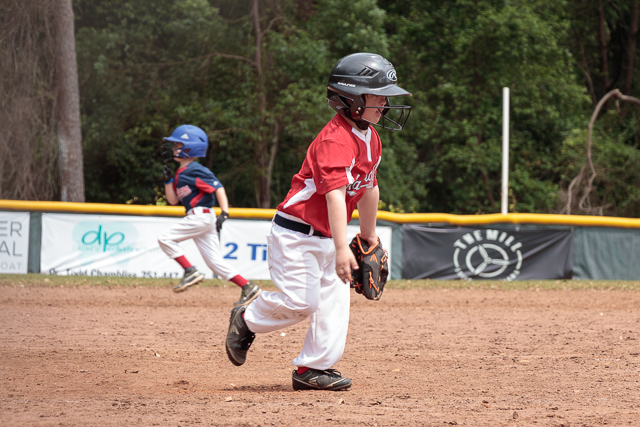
{"x":351,"y":108}
{"x":338,"y":100}
{"x":359,"y":110}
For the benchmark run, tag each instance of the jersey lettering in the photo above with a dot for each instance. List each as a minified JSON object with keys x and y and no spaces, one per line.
{"x":183,"y":192}
{"x":357,"y":184}
{"x":339,"y":156}
{"x":354,"y":187}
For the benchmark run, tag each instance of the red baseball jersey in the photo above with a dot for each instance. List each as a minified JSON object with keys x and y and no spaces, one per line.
{"x":340,"y":155}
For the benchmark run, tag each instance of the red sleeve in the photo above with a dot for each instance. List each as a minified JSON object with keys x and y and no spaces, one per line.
{"x":331,"y":164}
{"x":204,"y":187}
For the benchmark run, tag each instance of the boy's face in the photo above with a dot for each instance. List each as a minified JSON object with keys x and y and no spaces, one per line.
{"x":373,"y":114}
{"x":177,"y":146}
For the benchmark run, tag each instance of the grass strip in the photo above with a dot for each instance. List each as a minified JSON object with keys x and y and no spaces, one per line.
{"x":17,"y":280}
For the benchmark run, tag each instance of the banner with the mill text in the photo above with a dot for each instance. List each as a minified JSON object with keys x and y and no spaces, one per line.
{"x":486,"y":253}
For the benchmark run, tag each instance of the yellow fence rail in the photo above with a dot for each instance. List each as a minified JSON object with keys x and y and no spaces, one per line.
{"x":247,"y":213}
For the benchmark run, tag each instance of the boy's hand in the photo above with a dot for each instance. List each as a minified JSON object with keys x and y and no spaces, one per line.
{"x":345,"y":261}
{"x":371,"y":239}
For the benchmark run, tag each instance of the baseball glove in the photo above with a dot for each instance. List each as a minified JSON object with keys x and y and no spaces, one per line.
{"x":370,"y":278}
{"x":221,"y":218}
{"x":167,"y":175}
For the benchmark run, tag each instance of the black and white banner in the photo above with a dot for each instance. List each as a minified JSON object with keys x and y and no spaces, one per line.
{"x":486,"y":253}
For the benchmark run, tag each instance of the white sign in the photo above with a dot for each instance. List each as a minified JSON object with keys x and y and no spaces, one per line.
{"x":245,"y":246}
{"x":14,"y":242}
{"x":111,"y":245}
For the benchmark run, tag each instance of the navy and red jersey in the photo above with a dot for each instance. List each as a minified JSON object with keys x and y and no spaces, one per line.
{"x":339,"y":156}
{"x":194,"y":185}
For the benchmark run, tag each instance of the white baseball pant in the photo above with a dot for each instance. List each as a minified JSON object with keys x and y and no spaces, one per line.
{"x":201,"y":227}
{"x":304,"y":269}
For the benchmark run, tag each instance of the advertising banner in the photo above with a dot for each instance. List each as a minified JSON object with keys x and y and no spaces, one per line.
{"x":112,"y":245}
{"x":486,"y":253}
{"x":245,"y":246}
{"x":14,"y":242}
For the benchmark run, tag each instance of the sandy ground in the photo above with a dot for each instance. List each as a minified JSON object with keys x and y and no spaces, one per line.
{"x":145,"y":356}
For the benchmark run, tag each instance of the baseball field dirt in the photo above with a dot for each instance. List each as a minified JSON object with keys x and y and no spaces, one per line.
{"x":129,"y":353}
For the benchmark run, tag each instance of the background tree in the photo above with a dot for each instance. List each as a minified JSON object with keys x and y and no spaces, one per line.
{"x":247,"y":72}
{"x":604,"y":41}
{"x":459,"y":55}
{"x":68,"y":105}
{"x":252,"y":74}
{"x":28,"y":150}
{"x":40,"y":143}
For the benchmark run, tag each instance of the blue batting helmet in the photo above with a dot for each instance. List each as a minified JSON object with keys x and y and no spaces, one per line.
{"x":194,"y":139}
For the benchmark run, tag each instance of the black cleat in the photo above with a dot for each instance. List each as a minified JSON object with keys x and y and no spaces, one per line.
{"x":191,"y":277}
{"x":314,"y":379}
{"x":250,"y":291}
{"x":239,"y":337}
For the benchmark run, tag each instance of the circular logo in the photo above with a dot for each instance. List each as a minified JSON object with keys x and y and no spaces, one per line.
{"x":490,"y":254}
{"x":391,"y":75}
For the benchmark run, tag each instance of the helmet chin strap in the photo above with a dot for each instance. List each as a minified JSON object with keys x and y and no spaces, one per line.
{"x":362,"y":124}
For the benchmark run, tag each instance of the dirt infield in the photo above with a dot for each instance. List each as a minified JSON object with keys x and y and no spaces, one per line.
{"x":97,"y":355}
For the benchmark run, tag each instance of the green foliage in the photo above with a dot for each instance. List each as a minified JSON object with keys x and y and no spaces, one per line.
{"x":145,"y":69}
{"x":137,"y":84}
{"x":356,"y":27}
{"x":460,"y":55}
{"x":616,"y":160}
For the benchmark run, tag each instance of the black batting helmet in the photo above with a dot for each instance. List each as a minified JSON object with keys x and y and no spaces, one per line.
{"x":360,"y":74}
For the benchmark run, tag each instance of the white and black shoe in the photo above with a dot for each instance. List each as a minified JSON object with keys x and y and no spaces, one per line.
{"x":191,"y":277}
{"x":239,"y":337}
{"x":314,"y":379}
{"x":250,"y":291}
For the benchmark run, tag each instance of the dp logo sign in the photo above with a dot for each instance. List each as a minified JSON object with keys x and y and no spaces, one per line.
{"x":94,"y":236}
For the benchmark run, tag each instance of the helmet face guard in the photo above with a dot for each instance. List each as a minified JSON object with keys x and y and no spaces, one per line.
{"x":361,"y":74}
{"x":166,"y":150}
{"x":393,"y":117}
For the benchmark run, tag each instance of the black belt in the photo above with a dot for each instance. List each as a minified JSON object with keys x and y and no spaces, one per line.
{"x":296,"y":226}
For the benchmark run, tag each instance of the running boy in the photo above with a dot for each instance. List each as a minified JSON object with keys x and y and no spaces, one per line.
{"x":193,"y":186}
{"x":309,"y":256}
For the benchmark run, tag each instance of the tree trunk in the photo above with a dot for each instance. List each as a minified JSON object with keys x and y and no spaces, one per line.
{"x":269,"y":172}
{"x":263,"y":153}
{"x":68,"y":105}
{"x":631,"y":49}
{"x":602,"y":39}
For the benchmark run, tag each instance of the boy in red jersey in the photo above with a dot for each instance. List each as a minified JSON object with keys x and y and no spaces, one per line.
{"x":309,"y":256}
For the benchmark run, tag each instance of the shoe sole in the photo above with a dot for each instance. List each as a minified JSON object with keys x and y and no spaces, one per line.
{"x":181,"y":288}
{"x":226,"y":342}
{"x":231,"y":359}
{"x":301,"y":386}
{"x":249,"y":301}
